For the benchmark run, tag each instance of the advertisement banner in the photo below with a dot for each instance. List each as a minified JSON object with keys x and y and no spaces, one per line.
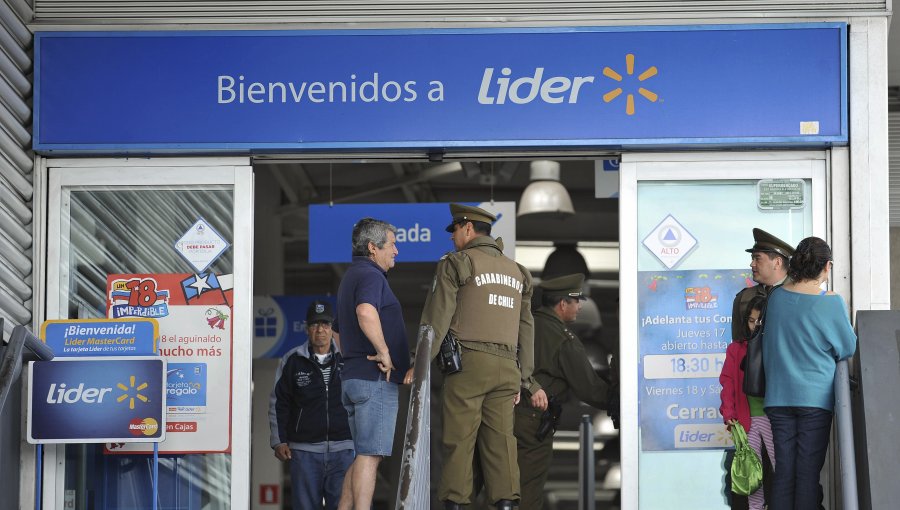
{"x":97,"y":400}
{"x":195,"y":337}
{"x":498,"y":88}
{"x":420,"y":229}
{"x":100,"y":337}
{"x":684,"y":328}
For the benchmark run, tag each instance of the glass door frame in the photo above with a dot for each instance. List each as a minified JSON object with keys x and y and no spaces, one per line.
{"x":185,"y":173}
{"x":718,"y":166}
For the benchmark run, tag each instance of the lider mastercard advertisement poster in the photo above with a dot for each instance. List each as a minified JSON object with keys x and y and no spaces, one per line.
{"x":195,"y":338}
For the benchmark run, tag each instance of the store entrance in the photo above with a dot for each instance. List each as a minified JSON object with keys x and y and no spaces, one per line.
{"x":546,"y":243}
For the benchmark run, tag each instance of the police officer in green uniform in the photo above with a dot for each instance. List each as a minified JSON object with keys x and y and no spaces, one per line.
{"x":560,"y":365}
{"x":769,"y":262}
{"x":484,"y":299}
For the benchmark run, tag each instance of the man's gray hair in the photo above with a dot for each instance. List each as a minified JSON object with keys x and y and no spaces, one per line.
{"x":370,"y":230}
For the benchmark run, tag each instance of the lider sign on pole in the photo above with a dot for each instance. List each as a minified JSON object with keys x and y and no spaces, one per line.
{"x":97,"y":400}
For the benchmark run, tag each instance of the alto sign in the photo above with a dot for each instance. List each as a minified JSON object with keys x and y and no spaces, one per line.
{"x":97,"y":400}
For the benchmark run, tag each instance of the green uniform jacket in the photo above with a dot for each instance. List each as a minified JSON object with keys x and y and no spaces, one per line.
{"x":742,"y":300}
{"x":561,"y":363}
{"x":455,"y":270}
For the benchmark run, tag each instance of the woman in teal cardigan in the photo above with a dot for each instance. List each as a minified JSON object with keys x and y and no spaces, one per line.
{"x":807,"y":331}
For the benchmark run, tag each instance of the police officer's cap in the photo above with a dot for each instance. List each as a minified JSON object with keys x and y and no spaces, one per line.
{"x":319,"y":311}
{"x":766,"y":242}
{"x":564,"y":286}
{"x":462,"y":213}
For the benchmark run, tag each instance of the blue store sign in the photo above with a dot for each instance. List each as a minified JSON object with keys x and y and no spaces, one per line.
{"x":421,"y":234}
{"x":97,"y":400}
{"x":597,"y":86}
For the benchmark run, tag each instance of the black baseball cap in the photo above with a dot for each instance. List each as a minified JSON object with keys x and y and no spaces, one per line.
{"x":319,"y":311}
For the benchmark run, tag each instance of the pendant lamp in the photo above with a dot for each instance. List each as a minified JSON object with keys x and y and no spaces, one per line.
{"x":545,"y":194}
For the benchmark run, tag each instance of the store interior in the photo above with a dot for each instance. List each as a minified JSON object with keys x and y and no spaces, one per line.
{"x":550,"y":241}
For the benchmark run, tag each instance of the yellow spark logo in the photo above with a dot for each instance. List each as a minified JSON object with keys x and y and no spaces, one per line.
{"x":629,"y":69}
{"x":128,"y":393}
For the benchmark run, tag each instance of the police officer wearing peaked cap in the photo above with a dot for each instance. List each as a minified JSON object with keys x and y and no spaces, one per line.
{"x":484,"y":299}
{"x":769,"y":262}
{"x":464,"y":213}
{"x":571,"y":286}
{"x":766,"y":242}
{"x":561,"y":366}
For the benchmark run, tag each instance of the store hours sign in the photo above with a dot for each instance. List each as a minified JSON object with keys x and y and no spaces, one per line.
{"x":684,"y":328}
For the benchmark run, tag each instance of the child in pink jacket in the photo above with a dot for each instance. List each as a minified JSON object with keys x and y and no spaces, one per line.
{"x":738,"y":407}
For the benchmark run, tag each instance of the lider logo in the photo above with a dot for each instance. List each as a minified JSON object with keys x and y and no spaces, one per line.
{"x":97,"y":400}
{"x":131,"y":392}
{"x":629,"y":69}
{"x":512,"y":87}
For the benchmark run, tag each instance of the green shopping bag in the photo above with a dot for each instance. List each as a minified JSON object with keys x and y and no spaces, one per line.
{"x":746,"y":470}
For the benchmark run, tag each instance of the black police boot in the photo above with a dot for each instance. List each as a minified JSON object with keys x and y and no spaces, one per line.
{"x":450,"y":505}
{"x":505,"y":504}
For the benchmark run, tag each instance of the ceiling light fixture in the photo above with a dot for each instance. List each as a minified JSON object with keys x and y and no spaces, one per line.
{"x":545,"y":194}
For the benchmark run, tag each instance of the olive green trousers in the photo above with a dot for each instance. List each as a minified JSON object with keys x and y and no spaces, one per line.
{"x":478,"y":409}
{"x":534,"y":457}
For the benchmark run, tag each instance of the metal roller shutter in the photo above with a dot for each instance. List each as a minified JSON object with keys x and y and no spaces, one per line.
{"x":16,"y":165}
{"x":368,"y":13}
{"x":894,"y":167}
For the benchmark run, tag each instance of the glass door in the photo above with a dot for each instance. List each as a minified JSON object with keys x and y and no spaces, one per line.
{"x":685,"y":223}
{"x":169,"y":239}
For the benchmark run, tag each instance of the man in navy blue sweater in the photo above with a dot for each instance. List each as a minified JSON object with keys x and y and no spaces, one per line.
{"x":308,"y":421}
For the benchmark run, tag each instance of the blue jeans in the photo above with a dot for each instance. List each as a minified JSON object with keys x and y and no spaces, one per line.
{"x":372,"y":408}
{"x":318,"y":476}
{"x":801,"y":436}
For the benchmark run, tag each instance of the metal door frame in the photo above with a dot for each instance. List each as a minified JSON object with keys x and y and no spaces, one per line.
{"x":131,"y":173}
{"x":719,"y":166}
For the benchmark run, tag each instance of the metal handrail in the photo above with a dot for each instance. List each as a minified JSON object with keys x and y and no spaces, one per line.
{"x":11,"y":362}
{"x":844,"y":418}
{"x":587,"y":482}
{"x":414,"y":489}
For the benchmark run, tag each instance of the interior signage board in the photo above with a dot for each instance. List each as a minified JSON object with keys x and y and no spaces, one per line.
{"x":270,"y":91}
{"x":421,"y":234}
{"x":97,"y":400}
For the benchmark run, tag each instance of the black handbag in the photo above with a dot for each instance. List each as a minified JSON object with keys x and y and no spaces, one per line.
{"x":754,"y":372}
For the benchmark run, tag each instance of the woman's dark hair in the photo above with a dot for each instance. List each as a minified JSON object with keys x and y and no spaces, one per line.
{"x":756,"y":303}
{"x":809,"y":259}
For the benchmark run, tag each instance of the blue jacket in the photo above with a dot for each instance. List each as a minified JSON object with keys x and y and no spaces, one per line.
{"x":805,"y":336}
{"x":303,"y":412}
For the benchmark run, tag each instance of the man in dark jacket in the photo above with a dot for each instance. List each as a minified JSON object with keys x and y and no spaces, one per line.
{"x":308,"y":421}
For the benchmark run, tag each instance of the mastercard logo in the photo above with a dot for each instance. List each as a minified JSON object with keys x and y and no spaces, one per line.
{"x":145,"y":426}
